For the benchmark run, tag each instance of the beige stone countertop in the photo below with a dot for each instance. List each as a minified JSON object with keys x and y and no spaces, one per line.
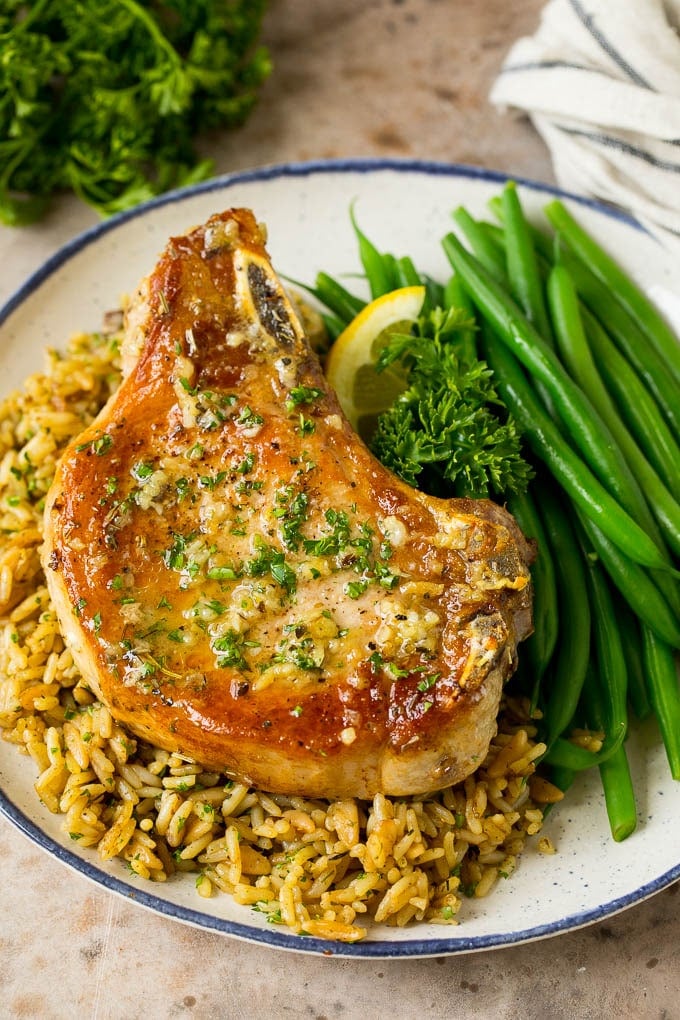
{"x":405,"y":78}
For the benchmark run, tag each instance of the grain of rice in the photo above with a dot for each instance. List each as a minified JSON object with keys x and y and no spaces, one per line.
{"x":204,"y":886}
{"x":169,"y":803}
{"x":119,"y":833}
{"x":175,"y":830}
{"x":195,"y":847}
{"x":487,"y":880}
{"x":543,"y":791}
{"x":318,"y":867}
{"x":268,"y":804}
{"x":234,"y":800}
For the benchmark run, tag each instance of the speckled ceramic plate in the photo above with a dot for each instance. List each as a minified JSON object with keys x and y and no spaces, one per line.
{"x":406,"y":208}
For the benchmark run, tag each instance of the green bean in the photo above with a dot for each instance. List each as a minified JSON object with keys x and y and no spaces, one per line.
{"x":634,"y":584}
{"x":619,"y":283}
{"x":576,"y":355}
{"x":455,"y":296}
{"x":579,"y":360}
{"x":564,"y":755}
{"x":651,"y":368}
{"x":631,"y":639}
{"x":522,"y":264}
{"x":605,"y":704}
{"x":541,"y":644}
{"x":571,"y":757}
{"x":563,"y":778}
{"x":663,"y":504}
{"x":637,"y":406}
{"x":333,"y":325}
{"x":607,"y":696}
{"x":391,"y":264}
{"x":337,"y":298}
{"x":612,"y":762}
{"x":519,"y":280}
{"x":664,"y":694}
{"x":379,"y":268}
{"x":633,"y":395}
{"x":567,"y":468}
{"x":562,"y":687}
{"x":649,"y":365}
{"x":434,"y":292}
{"x":585,"y":426}
{"x":524,"y":281}
{"x":495,"y":233}
{"x":408,"y":275}
{"x":619,"y":794}
{"x":486,"y":251}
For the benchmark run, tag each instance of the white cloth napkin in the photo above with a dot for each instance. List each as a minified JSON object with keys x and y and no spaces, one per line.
{"x":600,"y":81}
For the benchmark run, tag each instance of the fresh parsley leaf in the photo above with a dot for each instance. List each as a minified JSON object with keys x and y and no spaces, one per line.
{"x":448,"y":433}
{"x":105,"y":97}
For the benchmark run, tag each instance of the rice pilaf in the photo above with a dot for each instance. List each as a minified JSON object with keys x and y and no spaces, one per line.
{"x":320,"y":868}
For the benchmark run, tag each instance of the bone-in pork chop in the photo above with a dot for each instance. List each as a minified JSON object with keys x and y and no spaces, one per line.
{"x":241,"y":581}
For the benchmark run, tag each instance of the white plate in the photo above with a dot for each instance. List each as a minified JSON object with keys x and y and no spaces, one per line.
{"x":404,"y":207}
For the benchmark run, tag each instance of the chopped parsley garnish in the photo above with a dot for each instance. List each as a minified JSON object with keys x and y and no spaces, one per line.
{"x":247,"y":464}
{"x":291,"y":510}
{"x":182,"y":488}
{"x":210,"y":482}
{"x":428,"y":681}
{"x":305,"y":426}
{"x":272,"y":561}
{"x":101,"y":445}
{"x":397,"y":672}
{"x":249,"y":418}
{"x":175,"y":557}
{"x":142,"y":471}
{"x":302,"y":395}
{"x":247,"y":486}
{"x":223,"y":574}
{"x":282,"y":573}
{"x":230,"y":648}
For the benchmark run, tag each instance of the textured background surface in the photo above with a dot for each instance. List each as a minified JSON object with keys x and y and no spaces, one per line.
{"x":352,"y":78}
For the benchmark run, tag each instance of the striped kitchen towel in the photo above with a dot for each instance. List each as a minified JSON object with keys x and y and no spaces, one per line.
{"x":600,"y":81}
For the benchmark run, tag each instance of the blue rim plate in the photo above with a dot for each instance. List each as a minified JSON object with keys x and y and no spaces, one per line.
{"x":403,"y":206}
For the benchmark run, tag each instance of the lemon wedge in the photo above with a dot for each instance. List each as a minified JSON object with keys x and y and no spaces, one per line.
{"x":350,"y":368}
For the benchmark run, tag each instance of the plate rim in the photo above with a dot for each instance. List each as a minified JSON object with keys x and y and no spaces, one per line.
{"x":416,"y":948}
{"x":368,"y":949}
{"x":302,"y":168}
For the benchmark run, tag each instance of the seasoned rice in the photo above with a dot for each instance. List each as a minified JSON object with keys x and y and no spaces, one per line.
{"x":320,"y":868}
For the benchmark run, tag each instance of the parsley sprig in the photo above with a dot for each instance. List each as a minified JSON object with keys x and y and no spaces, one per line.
{"x":448,"y":432}
{"x":104,"y":97}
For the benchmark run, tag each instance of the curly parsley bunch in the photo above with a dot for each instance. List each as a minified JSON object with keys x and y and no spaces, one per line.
{"x":448,"y":433}
{"x":104,"y":97}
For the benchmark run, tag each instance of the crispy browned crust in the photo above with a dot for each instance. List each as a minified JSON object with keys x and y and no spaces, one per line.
{"x":342,"y":676}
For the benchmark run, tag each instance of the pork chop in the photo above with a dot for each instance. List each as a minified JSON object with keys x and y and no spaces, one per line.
{"x":242,"y":582}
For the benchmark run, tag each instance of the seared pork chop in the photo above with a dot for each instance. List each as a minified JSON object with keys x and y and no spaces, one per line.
{"x":242,"y":582}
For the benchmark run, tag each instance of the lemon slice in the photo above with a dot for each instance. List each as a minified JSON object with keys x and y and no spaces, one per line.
{"x":350,"y":369}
